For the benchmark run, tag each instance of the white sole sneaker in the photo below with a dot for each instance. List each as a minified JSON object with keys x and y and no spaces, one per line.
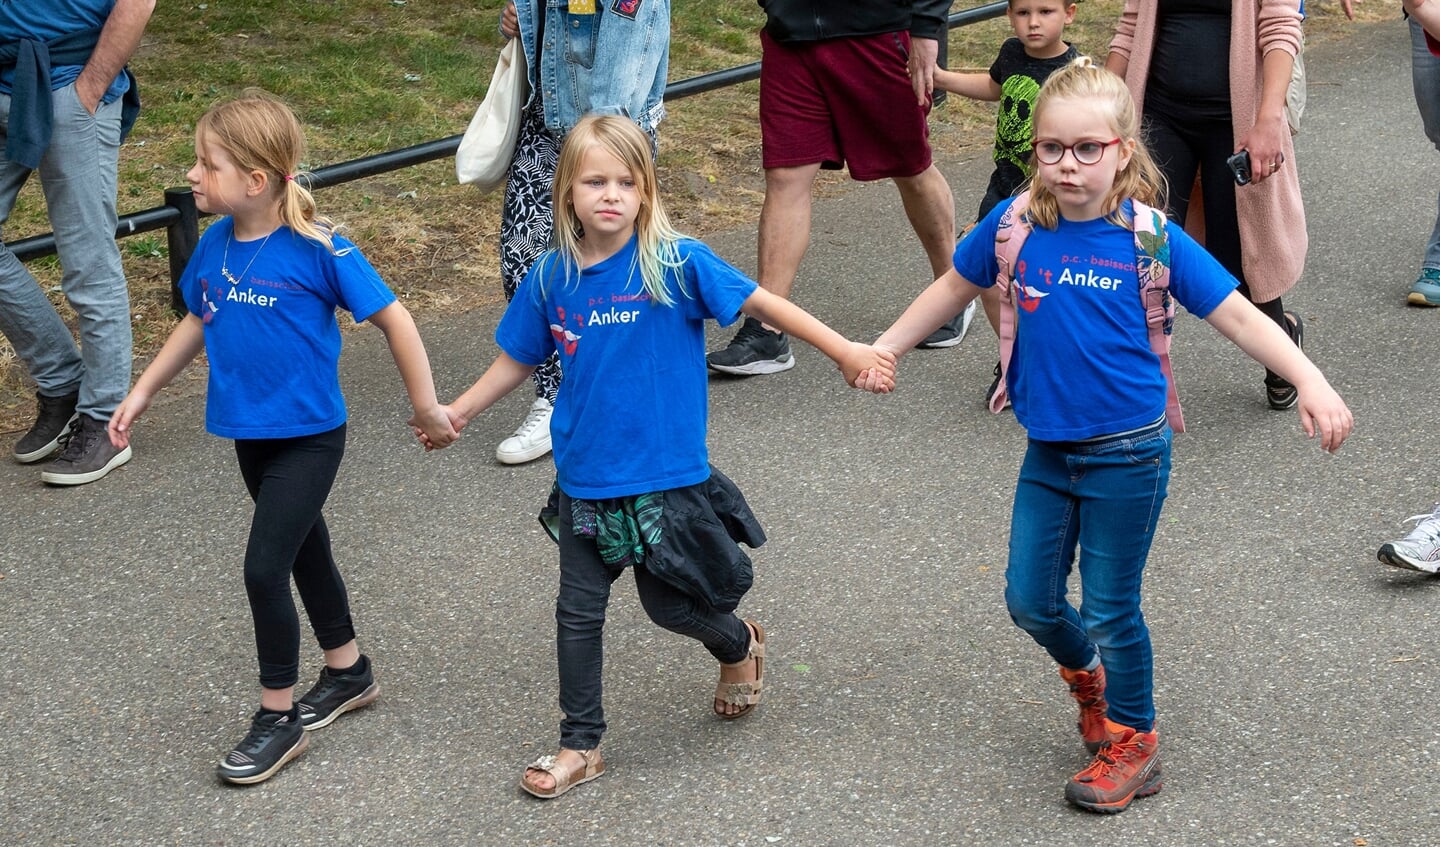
{"x":531,"y":440}
{"x":765,"y":366}
{"x":52,"y":478}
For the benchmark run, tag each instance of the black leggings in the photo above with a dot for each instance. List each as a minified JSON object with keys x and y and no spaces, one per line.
{"x":289,"y":479}
{"x":1180,"y":147}
{"x":1183,"y":145}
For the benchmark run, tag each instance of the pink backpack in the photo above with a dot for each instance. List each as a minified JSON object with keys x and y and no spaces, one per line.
{"x":1152,"y":267}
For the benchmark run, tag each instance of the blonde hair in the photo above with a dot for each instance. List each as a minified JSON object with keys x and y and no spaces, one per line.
{"x":1140,"y":179}
{"x":657,"y":252}
{"x":260,"y":133}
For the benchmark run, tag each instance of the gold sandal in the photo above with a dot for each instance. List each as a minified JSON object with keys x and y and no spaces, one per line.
{"x":744,"y":694}
{"x":565,"y":777}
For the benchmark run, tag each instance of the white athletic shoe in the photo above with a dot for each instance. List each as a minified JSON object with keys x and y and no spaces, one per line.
{"x":532,"y":439}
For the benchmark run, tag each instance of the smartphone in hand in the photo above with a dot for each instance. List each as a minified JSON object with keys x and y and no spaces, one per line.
{"x":1239,"y":165}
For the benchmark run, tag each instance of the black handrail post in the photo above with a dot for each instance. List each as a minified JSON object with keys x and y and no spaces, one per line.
{"x":181,"y":237}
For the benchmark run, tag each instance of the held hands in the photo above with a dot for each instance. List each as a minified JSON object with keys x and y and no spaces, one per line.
{"x":924,"y":54}
{"x":870,"y":368}
{"x":1323,"y":412}
{"x":437,"y":427}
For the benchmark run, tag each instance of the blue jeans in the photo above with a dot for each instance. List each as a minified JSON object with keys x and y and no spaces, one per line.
{"x":580,"y":617}
{"x":1104,"y":497}
{"x":1425,"y":74}
{"x":78,"y":176}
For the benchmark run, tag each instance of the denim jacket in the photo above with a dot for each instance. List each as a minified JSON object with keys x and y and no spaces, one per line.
{"x":612,"y":62}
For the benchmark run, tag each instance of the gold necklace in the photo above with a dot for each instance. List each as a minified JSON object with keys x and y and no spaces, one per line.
{"x":225,"y":259}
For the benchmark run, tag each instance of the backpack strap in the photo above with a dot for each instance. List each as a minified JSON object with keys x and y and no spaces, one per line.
{"x":1010,"y":235}
{"x":1152,"y":269}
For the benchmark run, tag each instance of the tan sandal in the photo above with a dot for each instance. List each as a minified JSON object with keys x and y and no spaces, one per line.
{"x":744,"y":694}
{"x":565,"y":777}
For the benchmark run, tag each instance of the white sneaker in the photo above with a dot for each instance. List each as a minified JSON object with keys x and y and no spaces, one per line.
{"x":532,"y":439}
{"x":1418,"y":551}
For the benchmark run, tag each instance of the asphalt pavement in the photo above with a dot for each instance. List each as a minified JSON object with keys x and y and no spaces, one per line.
{"x":1295,"y":675}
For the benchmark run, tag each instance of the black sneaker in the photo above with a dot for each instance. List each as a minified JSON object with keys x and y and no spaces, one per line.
{"x":334,"y":694}
{"x":753,"y":350}
{"x":1279,"y":393}
{"x":52,"y":418}
{"x":994,"y":387}
{"x":88,"y":454}
{"x":950,"y":333}
{"x":272,"y":741}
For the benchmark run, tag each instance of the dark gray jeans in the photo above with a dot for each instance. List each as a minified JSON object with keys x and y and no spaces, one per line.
{"x":585,"y":582}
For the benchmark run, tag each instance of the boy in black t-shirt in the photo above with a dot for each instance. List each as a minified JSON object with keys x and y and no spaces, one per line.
{"x":1025,"y":61}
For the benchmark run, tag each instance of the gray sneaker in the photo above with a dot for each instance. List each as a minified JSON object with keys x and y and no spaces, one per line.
{"x":334,"y":694}
{"x":951,"y":332}
{"x":753,"y":350}
{"x":273,"y":740}
{"x":1418,"y":551}
{"x":88,"y":454}
{"x":52,"y":420}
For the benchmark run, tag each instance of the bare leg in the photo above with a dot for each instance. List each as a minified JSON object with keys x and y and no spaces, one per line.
{"x":785,"y":226}
{"x":277,"y":699}
{"x":931,"y":210}
{"x":342,"y":657}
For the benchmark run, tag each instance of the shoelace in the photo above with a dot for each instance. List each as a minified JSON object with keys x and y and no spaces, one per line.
{"x":324,"y":687}
{"x":751,"y":329}
{"x":1111,"y":756}
{"x":532,"y":420}
{"x":1428,"y":528}
{"x":260,"y":732}
{"x":76,"y":440}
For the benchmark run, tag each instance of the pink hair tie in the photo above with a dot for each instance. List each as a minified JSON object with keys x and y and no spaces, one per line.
{"x":289,"y":177}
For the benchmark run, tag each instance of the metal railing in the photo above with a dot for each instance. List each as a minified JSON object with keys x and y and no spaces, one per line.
{"x":180,"y":218}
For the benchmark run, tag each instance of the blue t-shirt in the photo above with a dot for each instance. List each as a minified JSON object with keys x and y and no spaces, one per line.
{"x":1082,"y":365}
{"x":631,"y":413}
{"x":272,"y":339}
{"x":47,"y":21}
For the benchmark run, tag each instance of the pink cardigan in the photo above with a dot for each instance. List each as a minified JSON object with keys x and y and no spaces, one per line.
{"x":1272,"y":219}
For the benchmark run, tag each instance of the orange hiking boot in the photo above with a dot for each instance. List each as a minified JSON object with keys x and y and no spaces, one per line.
{"x":1088,"y":689}
{"x":1127,"y":766}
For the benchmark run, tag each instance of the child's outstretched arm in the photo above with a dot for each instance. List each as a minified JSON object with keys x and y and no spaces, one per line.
{"x":183,"y":345}
{"x":853,"y":358}
{"x":409,"y":351}
{"x":942,"y":300}
{"x":979,"y":86}
{"x":1321,"y":409}
{"x":502,"y":377}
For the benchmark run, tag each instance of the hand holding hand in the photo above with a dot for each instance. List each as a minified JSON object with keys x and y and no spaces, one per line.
{"x":870,"y":368}
{"x":924,"y":54}
{"x":438,"y":427}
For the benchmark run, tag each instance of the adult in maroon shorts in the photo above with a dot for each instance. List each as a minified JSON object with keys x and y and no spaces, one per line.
{"x":877,"y":60}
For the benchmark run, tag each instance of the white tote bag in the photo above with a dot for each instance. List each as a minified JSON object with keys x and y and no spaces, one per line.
{"x":489,"y":143}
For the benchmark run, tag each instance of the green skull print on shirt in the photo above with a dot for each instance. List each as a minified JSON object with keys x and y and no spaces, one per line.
{"x":1015,"y":123}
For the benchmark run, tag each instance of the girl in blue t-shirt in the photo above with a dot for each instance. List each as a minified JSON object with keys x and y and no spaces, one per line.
{"x":262,"y":289}
{"x":622,"y":299}
{"x":1092,"y":397}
